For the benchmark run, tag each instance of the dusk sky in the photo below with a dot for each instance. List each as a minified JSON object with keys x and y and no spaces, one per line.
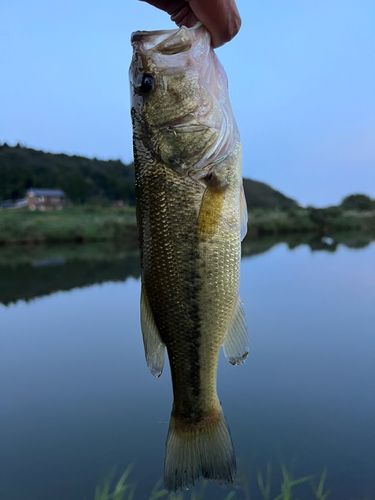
{"x":301,"y":79}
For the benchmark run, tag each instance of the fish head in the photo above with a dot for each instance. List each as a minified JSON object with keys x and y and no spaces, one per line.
{"x":179,"y":99}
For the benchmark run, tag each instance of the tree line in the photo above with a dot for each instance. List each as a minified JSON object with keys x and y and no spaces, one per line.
{"x":86,"y":180}
{"x":82,"y":179}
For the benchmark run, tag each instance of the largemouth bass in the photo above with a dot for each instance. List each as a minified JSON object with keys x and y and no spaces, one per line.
{"x":191,"y":215}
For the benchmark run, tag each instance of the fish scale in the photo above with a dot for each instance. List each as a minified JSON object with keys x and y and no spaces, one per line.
{"x":190,"y":217}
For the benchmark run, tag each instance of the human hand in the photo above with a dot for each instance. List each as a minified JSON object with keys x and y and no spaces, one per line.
{"x":220,"y":17}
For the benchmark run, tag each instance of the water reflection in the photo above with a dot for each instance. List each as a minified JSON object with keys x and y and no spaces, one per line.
{"x":30,"y":272}
{"x":27,"y":272}
{"x":77,"y":398}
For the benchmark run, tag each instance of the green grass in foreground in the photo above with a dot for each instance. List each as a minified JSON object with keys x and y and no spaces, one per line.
{"x":125,"y":490}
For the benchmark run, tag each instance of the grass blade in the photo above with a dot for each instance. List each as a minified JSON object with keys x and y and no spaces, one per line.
{"x":265,"y":488}
{"x":156,"y":493}
{"x":319,"y":490}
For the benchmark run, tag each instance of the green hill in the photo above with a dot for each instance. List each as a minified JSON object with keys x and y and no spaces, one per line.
{"x":85,"y":180}
{"x":260,"y":195}
{"x":81,"y":178}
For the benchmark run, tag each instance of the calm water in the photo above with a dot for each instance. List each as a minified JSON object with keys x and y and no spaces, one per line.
{"x":77,"y":399}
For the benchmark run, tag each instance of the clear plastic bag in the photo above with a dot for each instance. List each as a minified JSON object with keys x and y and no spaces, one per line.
{"x":189,"y":102}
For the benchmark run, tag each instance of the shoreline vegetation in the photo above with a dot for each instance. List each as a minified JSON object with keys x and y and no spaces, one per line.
{"x":91,"y":223}
{"x":100,"y":197}
{"x":242,"y":489}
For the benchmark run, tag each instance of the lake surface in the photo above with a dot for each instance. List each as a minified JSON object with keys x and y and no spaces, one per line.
{"x":77,"y":399}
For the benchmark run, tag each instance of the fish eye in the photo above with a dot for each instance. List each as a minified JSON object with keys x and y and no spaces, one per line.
{"x":145,"y":83}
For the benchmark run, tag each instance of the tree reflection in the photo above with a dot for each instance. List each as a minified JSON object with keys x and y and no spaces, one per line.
{"x":28,"y":272}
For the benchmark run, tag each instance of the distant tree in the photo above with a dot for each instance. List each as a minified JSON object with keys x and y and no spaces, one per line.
{"x":316,"y":215}
{"x":332,"y":211}
{"x":357,"y":202}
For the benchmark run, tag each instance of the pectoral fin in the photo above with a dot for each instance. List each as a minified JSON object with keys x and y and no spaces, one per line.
{"x":243,"y":213}
{"x":236,"y":344}
{"x":210,"y":211}
{"x":153,"y":344}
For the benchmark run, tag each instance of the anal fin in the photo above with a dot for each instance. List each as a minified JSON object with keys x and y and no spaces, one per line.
{"x":236,"y":344}
{"x":153,"y":344}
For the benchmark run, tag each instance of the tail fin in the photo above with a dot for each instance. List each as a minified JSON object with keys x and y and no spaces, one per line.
{"x":204,"y":450}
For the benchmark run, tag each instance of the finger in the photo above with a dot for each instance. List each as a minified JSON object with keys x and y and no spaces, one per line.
{"x":179,"y":10}
{"x":171,"y":7}
{"x":220,"y":17}
{"x":185,"y":17}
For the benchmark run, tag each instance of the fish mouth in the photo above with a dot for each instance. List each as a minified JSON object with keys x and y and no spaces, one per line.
{"x":149,"y":36}
{"x":168,"y":42}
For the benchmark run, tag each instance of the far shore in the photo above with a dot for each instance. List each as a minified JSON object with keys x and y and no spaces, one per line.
{"x":91,"y":223}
